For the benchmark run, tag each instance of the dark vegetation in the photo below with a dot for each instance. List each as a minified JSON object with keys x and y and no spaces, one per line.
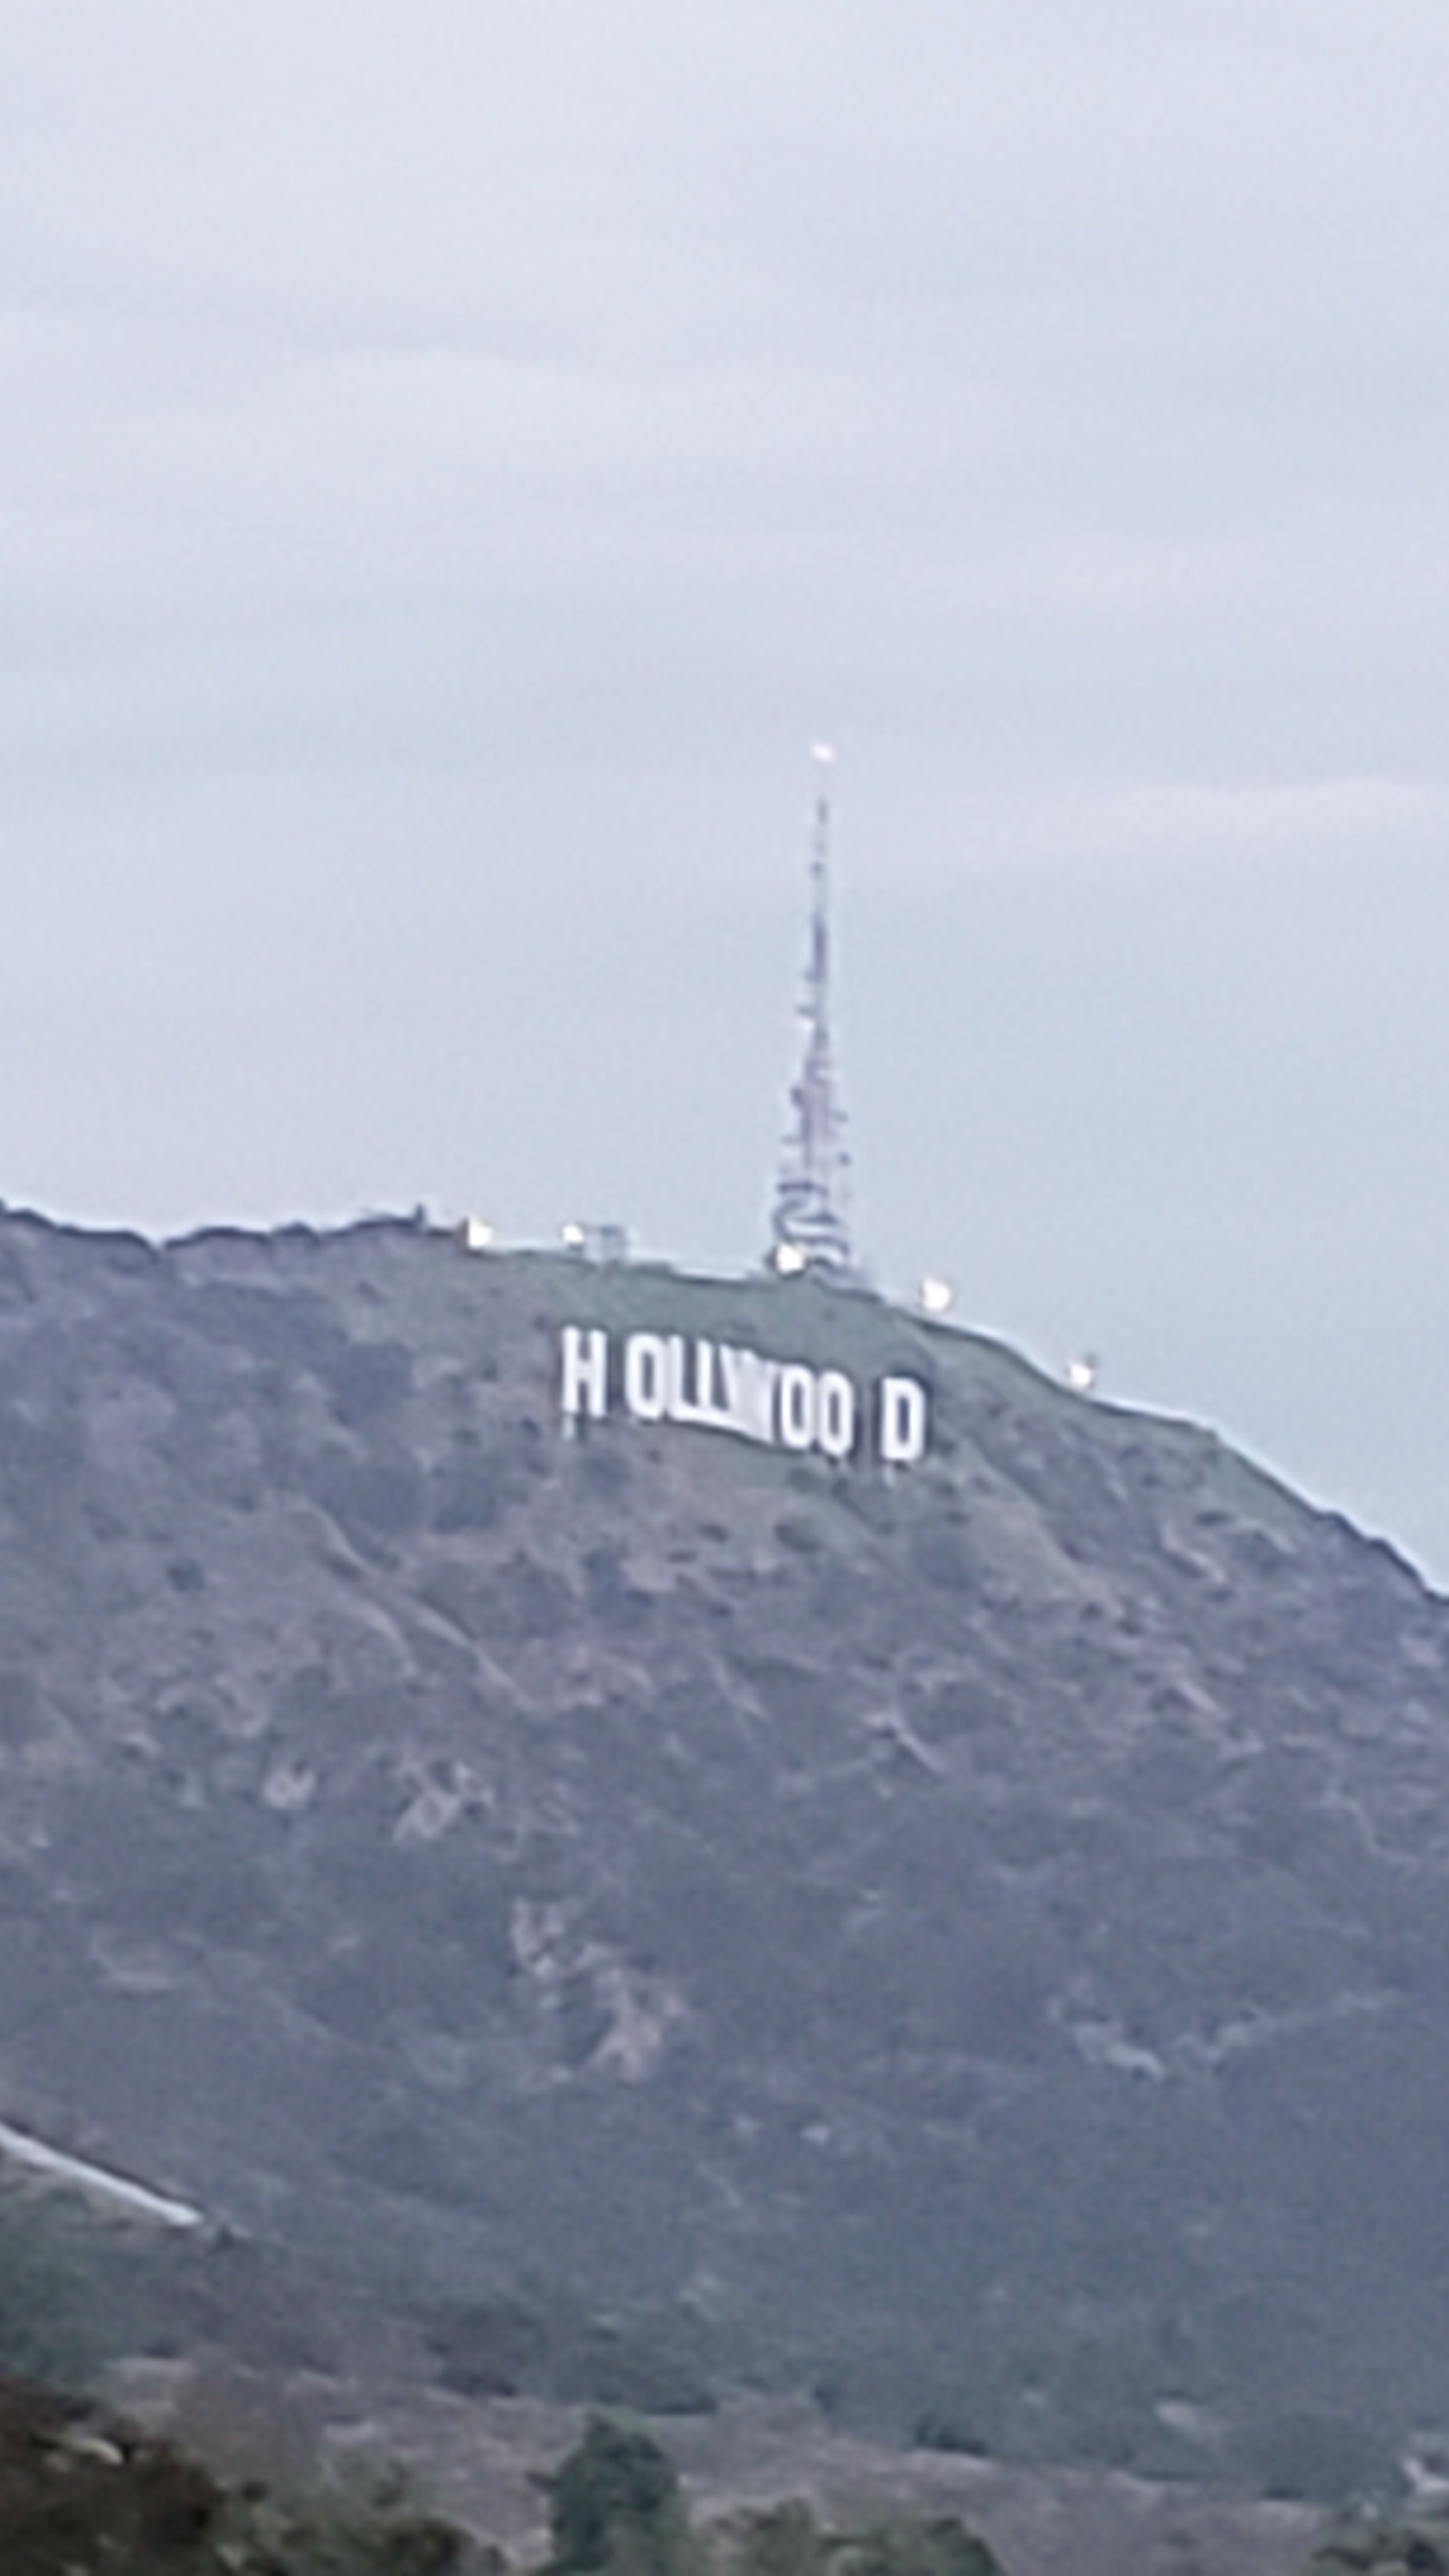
{"x":82,"y":2493}
{"x":1366,"y":2543}
{"x":968,"y":1944}
{"x":616,"y":2509}
{"x":85,"y":2493}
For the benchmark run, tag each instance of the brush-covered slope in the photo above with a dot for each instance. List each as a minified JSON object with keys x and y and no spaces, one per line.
{"x":984,"y":1929}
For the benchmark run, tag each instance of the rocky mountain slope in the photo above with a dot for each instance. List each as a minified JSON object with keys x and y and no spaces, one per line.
{"x":977,"y":1927}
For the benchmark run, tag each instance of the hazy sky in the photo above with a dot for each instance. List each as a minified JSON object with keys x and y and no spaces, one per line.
{"x":455,"y":457}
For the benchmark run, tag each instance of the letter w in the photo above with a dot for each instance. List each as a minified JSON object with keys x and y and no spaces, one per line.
{"x":749,"y":1384}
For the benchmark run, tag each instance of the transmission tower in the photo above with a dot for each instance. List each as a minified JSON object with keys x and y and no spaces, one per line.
{"x":810,"y":1224}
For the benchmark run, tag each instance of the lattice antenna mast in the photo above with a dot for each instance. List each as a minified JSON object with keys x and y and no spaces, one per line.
{"x":810,"y":1222}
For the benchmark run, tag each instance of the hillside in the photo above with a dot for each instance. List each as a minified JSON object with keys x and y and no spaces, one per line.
{"x":972,"y":1931}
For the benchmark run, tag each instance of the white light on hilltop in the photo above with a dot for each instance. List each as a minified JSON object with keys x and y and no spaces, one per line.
{"x":572,"y":1237}
{"x":936,"y":1296}
{"x":1081,"y":1375}
{"x":478,"y":1234}
{"x":789,"y":1260}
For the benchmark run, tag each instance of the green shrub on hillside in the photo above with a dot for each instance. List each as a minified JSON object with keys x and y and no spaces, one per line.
{"x":1368,"y":2543}
{"x":913,"y":2545}
{"x":615,"y":2506}
{"x":333,"y":2536}
{"x":82,"y":2494}
{"x":616,"y":2510}
{"x":782,"y":2540}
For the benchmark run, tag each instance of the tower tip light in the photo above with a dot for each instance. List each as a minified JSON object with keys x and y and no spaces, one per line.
{"x":935,"y":1296}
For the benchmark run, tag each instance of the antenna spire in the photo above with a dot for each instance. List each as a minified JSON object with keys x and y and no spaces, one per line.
{"x":809,"y":1222}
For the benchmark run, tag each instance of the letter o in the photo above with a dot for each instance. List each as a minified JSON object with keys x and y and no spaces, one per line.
{"x":646,"y":1377}
{"x":797,"y":1407}
{"x":835,"y":1414}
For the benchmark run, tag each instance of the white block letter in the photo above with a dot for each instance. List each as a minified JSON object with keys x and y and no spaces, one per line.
{"x":585,"y":1387}
{"x":646,"y":1377}
{"x":902,"y":1421}
{"x":835,"y":1411}
{"x":797,"y":1407}
{"x":749,"y":1385}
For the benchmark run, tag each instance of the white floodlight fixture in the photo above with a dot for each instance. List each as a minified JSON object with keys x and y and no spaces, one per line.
{"x":1081,"y":1374}
{"x":572,"y":1236}
{"x":478,"y":1234}
{"x":935,"y":1296}
{"x":789,"y":1260}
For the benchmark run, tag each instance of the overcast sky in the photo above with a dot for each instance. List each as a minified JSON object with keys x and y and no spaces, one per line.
{"x":455,"y":457}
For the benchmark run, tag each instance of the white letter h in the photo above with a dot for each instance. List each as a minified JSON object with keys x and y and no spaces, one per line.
{"x":585,"y":1387}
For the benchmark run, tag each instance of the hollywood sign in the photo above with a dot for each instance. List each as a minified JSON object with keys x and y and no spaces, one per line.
{"x":716,"y":1386}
